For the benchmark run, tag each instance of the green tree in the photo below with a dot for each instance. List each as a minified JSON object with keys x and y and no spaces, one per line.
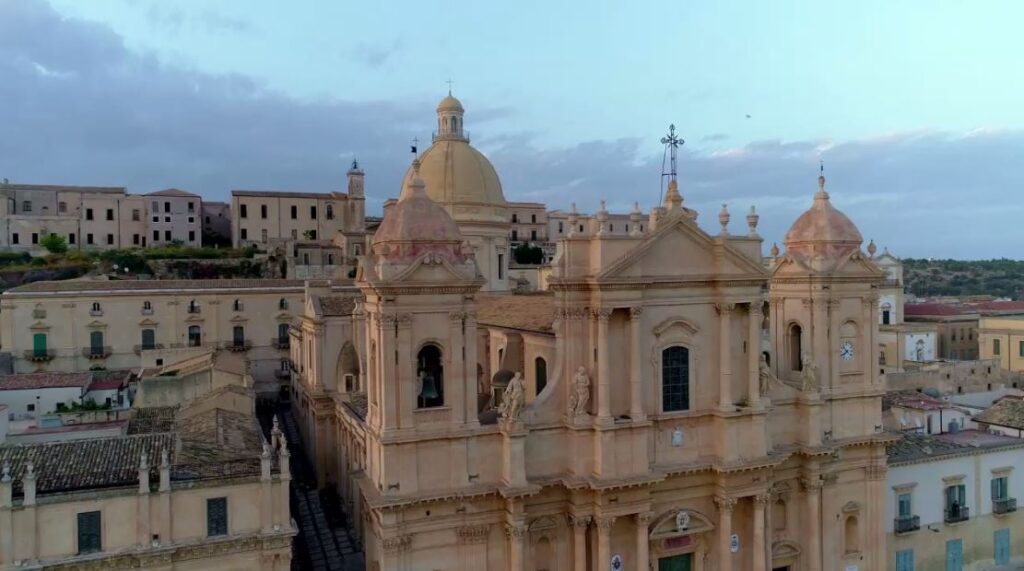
{"x":54,"y":243}
{"x":528,"y":254}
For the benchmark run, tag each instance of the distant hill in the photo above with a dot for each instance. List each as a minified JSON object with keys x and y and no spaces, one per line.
{"x":999,"y":278}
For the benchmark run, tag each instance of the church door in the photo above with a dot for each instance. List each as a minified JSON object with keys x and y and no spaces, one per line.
{"x":676,"y":563}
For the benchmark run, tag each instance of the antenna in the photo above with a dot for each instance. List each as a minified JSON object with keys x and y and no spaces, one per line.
{"x":672,"y":143}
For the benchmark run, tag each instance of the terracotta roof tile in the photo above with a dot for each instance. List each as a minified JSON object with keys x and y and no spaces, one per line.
{"x":143,"y":285}
{"x":337,"y":304}
{"x":932,"y":309}
{"x":533,"y":312}
{"x":1007,"y":411}
{"x":23,"y":381}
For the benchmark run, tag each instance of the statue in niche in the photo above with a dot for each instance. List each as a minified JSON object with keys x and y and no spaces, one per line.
{"x":580,"y":397}
{"x":513,"y":399}
{"x":809,"y":378}
{"x":766,"y":376}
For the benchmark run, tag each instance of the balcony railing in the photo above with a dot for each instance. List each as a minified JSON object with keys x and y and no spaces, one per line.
{"x":149,"y":347}
{"x":1004,"y":506}
{"x":147,"y":311}
{"x":953,"y":515}
{"x":281,"y":343}
{"x":907,"y":524}
{"x":97,"y":352}
{"x":238,"y":346}
{"x":39,"y":313}
{"x":96,"y":312}
{"x":40,"y":355}
{"x":193,"y":309}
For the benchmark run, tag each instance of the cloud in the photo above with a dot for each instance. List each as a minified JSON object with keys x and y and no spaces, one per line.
{"x":78,"y":107}
{"x":375,"y":56}
{"x":714,"y":138}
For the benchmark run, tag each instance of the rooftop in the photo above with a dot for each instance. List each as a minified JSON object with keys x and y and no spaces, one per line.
{"x":1007,"y":411}
{"x":148,"y":285}
{"x":914,"y":447}
{"x":287,"y":194}
{"x":173,"y":192}
{"x":915,"y":400}
{"x":532,"y":312}
{"x":61,"y":188}
{"x":337,"y":305}
{"x":27,"y":381}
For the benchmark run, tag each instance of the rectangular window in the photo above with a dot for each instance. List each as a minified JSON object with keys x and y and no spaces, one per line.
{"x":501,"y":266}
{"x":156,"y":219}
{"x":216,"y":517}
{"x":243,"y":211}
{"x":1020,"y":348}
{"x":191,"y":235}
{"x":15,"y":238}
{"x":167,"y":207}
{"x":88,"y":239}
{"x":191,"y":207}
{"x":263,"y":211}
{"x":559,"y":227}
{"x":62,"y":207}
{"x":903,"y":505}
{"x":88,"y":213}
{"x":167,"y":219}
{"x":191,"y":219}
{"x":295,"y":234}
{"x":90,"y":534}
{"x":135,"y":239}
{"x":243,"y":234}
{"x":1000,"y":488}
{"x":1001,"y":554}
{"x":675,"y":379}
{"x":35,"y":238}
{"x":312,"y":212}
{"x":156,"y":235}
{"x":110,"y":214}
{"x":26,"y":206}
{"x":71,"y":238}
{"x":167,"y":235}
{"x":905,"y":560}
{"x":110,"y":239}
{"x":156,"y":207}
{"x":136,"y":215}
{"x":995,"y":346}
{"x":515,"y":235}
{"x":295,"y":212}
{"x":533,"y":235}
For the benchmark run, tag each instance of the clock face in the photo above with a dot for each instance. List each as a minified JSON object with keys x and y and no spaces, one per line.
{"x":846,"y":350}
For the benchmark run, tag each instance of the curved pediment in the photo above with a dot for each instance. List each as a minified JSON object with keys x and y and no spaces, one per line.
{"x":783,"y":548}
{"x":677,"y":522}
{"x":678,"y":322}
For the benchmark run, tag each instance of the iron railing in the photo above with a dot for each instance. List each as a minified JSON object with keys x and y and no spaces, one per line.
{"x":908,"y":523}
{"x":238,"y":346}
{"x":39,"y":355}
{"x":97,"y":352}
{"x":959,"y":513}
{"x":1004,"y":506}
{"x":281,"y":343}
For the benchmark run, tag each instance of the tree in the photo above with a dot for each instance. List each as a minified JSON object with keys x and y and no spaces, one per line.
{"x":528,"y":254}
{"x":54,"y":243}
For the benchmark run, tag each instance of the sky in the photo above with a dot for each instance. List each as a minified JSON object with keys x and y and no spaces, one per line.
{"x":913,"y":106}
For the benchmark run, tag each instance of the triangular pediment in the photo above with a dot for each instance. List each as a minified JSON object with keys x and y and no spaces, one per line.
{"x":682,"y":250}
{"x":147,"y":322}
{"x":96,"y":324}
{"x":238,"y":319}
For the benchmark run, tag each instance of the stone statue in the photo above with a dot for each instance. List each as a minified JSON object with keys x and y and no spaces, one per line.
{"x":513,"y":399}
{"x":766,"y":376}
{"x":580,"y":397}
{"x":809,"y":377}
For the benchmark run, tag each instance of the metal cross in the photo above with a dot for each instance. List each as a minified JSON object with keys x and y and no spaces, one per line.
{"x":672,"y":143}
{"x":449,"y":82}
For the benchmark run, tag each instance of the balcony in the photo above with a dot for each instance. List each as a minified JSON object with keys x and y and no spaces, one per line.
{"x":282,"y":374}
{"x":907,"y":524}
{"x":150,"y":347}
{"x":96,"y":352}
{"x":1004,"y":506}
{"x":147,"y":311}
{"x":238,"y":346}
{"x":193,"y":309}
{"x":96,"y":312}
{"x":957,"y":514}
{"x":40,"y":355}
{"x":281,"y":343}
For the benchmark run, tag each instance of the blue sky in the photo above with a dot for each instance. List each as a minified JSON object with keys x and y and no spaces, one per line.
{"x":913,"y":105}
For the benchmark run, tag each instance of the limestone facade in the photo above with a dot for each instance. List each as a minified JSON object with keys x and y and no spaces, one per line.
{"x":628,"y":415}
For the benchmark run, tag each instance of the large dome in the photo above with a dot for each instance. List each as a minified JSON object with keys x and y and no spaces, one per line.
{"x":458,"y":176}
{"x":822,"y":231}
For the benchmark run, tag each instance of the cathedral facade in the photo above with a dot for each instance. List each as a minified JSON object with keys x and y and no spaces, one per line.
{"x":674,"y":402}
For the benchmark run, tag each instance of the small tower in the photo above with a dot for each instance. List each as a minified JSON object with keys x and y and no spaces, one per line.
{"x":356,"y":219}
{"x":449,"y":119}
{"x":356,"y":178}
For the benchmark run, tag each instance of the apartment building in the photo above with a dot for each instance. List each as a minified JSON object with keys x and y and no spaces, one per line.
{"x":529,"y":222}
{"x":271,"y":218}
{"x":950,"y":501}
{"x":194,"y":487}
{"x":87,"y":217}
{"x":78,"y":325}
{"x":174,"y":218}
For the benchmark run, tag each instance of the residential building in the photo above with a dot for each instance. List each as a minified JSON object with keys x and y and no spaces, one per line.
{"x":318,"y":260}
{"x":950,"y":502}
{"x":216,"y":223}
{"x":272,"y":218}
{"x":622,"y":414}
{"x":529,"y":223}
{"x":87,"y":217}
{"x":1005,"y":416}
{"x":922,"y":413}
{"x":29,"y":396}
{"x":957,"y":327}
{"x":175,"y":218}
{"x":195,"y":487}
{"x":80,"y":324}
{"x":1002,"y":338}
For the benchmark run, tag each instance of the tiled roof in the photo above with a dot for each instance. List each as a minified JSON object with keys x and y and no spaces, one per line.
{"x":143,"y":285}
{"x":999,"y":305}
{"x":337,"y":304}
{"x":173,"y":192}
{"x":533,"y":312}
{"x":62,"y":188}
{"x":25,"y":381}
{"x":109,"y":380}
{"x":152,"y":419}
{"x":217,"y":436}
{"x":287,"y":194}
{"x":912,"y":446}
{"x":913,"y":399}
{"x":1007,"y":411}
{"x":932,"y":309}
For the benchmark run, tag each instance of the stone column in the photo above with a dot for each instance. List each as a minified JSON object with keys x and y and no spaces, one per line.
{"x":812,"y":525}
{"x":604,"y":541}
{"x":142,"y":527}
{"x":725,"y":401}
{"x":473,"y":545}
{"x":832,"y":350}
{"x":869,"y":348}
{"x":759,"y":554}
{"x":579,"y":524}
{"x":284,"y":464}
{"x":754,"y":355}
{"x":636,"y":393}
{"x":875,"y":531}
{"x":470,"y":339}
{"x":604,"y":415}
{"x":394,"y":549}
{"x":643,"y":541}
{"x":459,"y":387}
{"x":406,"y":374}
{"x":6,"y":516}
{"x":516,"y":534}
{"x":725,"y":507}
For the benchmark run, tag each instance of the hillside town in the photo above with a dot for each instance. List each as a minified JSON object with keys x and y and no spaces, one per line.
{"x":469,"y":383}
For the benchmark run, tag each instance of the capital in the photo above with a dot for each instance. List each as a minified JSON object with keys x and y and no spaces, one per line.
{"x":515,"y":531}
{"x":811,"y":483}
{"x":578,"y":521}
{"x":603,"y":314}
{"x":605,"y":522}
{"x":396,"y":544}
{"x":635,"y":312}
{"x":644,"y":518}
{"x":473,"y":533}
{"x":762,"y":499}
{"x":457,"y":316}
{"x":725,"y":504}
{"x":756,"y":308}
{"x":724,"y":308}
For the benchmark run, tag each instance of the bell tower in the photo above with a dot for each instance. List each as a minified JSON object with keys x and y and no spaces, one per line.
{"x":419,"y":285}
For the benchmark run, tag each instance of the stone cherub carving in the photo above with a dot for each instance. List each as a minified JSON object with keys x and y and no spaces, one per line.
{"x":766,"y":376}
{"x":809,"y":378}
{"x":580,"y":397}
{"x":513,"y":399}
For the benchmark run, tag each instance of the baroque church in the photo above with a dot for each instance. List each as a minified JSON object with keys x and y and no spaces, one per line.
{"x":673,"y":402}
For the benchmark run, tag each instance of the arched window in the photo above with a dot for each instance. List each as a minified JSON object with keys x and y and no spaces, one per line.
{"x":850,"y":536}
{"x":675,"y":379}
{"x":540,"y":372}
{"x":430,"y":377}
{"x":149,"y":339}
{"x":795,"y":347}
{"x":453,"y":124}
{"x":195,"y":336}
{"x":95,"y":306}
